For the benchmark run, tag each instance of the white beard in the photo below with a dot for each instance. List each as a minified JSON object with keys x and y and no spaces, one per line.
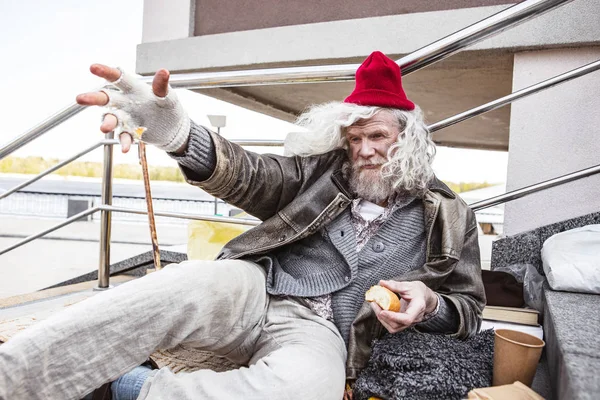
{"x":369,"y":184}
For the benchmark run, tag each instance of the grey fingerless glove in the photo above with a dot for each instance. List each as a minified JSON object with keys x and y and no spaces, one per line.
{"x":160,"y":121}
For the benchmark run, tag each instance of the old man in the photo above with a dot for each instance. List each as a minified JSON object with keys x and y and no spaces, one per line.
{"x":355,"y":204}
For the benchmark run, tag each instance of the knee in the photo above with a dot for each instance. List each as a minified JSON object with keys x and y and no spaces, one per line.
{"x":208,"y":274}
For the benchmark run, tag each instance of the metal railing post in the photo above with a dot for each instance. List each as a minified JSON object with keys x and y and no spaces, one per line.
{"x":105,"y":217}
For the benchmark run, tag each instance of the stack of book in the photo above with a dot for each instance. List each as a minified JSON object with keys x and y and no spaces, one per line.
{"x":519,"y":319}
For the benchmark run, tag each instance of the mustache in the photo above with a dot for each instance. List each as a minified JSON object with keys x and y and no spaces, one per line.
{"x":373,"y":161}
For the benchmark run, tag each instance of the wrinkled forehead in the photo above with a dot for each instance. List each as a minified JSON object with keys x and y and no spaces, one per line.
{"x":381,"y":121}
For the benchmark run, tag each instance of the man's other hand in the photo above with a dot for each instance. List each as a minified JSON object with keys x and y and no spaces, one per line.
{"x":129,"y":87}
{"x":418,"y":300}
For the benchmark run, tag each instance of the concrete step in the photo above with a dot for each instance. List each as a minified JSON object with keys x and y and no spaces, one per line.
{"x":571,"y":326}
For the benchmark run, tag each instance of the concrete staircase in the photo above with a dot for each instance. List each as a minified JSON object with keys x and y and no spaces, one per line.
{"x":571,"y":320}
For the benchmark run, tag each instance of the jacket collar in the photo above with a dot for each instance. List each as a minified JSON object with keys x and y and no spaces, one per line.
{"x":438,"y":186}
{"x":342,"y":183}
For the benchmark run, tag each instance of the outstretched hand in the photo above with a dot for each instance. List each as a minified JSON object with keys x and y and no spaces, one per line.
{"x":417,"y":300}
{"x":160,"y":88}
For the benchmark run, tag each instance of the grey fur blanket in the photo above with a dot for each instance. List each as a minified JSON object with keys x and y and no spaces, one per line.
{"x":412,"y":365}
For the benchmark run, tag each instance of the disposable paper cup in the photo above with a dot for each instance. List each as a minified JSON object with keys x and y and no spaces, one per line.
{"x":516,"y":355}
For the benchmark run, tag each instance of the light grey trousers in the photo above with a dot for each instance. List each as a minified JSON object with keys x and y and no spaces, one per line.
{"x":220,"y":306}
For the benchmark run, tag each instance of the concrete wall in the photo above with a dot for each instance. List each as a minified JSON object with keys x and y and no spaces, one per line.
{"x":218,"y":16}
{"x":167,"y":22}
{"x":574,"y":24}
{"x":551,"y":134}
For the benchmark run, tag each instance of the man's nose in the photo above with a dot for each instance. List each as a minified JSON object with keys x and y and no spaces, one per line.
{"x":366,"y":149}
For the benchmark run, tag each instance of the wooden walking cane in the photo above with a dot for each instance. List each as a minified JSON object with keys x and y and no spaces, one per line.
{"x":144,"y":163}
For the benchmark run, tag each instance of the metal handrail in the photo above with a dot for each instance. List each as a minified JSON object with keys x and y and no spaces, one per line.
{"x":423,"y":57}
{"x":55,"y":167}
{"x":40,"y":129}
{"x":527,"y":190}
{"x":66,"y":222}
{"x":110,"y":208}
{"x":476,"y":111}
{"x":241,"y":142}
{"x":197,"y":217}
{"x":420,"y":58}
{"x":538,"y":87}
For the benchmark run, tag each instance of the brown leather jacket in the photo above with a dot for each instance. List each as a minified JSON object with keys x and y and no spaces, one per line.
{"x":296,"y":196}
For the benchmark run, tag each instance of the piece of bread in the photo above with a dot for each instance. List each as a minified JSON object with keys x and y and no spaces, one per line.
{"x":385,"y":298}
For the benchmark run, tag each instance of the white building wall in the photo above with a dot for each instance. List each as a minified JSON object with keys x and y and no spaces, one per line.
{"x":553,"y":133}
{"x":167,"y":20}
{"x":569,"y":25}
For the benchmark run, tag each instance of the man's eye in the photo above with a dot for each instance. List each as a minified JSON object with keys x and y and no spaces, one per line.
{"x":354,"y":140}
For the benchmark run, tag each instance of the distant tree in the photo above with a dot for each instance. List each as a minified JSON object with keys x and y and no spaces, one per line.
{"x":467,"y":186}
{"x":35,"y":165}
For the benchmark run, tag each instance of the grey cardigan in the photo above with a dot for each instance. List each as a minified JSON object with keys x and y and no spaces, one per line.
{"x":298,"y":196}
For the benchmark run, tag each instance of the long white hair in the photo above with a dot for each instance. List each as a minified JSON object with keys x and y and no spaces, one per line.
{"x":409,"y":159}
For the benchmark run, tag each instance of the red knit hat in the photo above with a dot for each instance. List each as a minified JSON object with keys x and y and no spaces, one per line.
{"x":379,"y":83}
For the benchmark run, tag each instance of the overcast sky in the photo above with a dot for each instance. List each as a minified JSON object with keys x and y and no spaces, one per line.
{"x":46,"y":48}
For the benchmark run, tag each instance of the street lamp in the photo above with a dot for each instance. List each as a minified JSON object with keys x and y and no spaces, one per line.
{"x":217,"y":121}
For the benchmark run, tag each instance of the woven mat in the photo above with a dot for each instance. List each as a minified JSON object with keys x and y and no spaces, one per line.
{"x":189,"y":359}
{"x":184,"y":359}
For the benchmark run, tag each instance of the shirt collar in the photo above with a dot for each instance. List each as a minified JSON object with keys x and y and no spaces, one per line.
{"x":395,"y":202}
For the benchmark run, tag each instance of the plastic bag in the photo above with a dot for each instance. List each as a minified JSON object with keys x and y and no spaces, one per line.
{"x":572,"y":260}
{"x":532,"y":282}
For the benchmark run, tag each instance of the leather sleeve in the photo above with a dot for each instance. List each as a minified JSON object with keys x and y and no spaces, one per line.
{"x":198,"y":161}
{"x":464,"y":286}
{"x":260,"y":184}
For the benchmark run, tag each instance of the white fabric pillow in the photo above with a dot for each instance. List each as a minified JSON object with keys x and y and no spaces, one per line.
{"x":571,"y":260}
